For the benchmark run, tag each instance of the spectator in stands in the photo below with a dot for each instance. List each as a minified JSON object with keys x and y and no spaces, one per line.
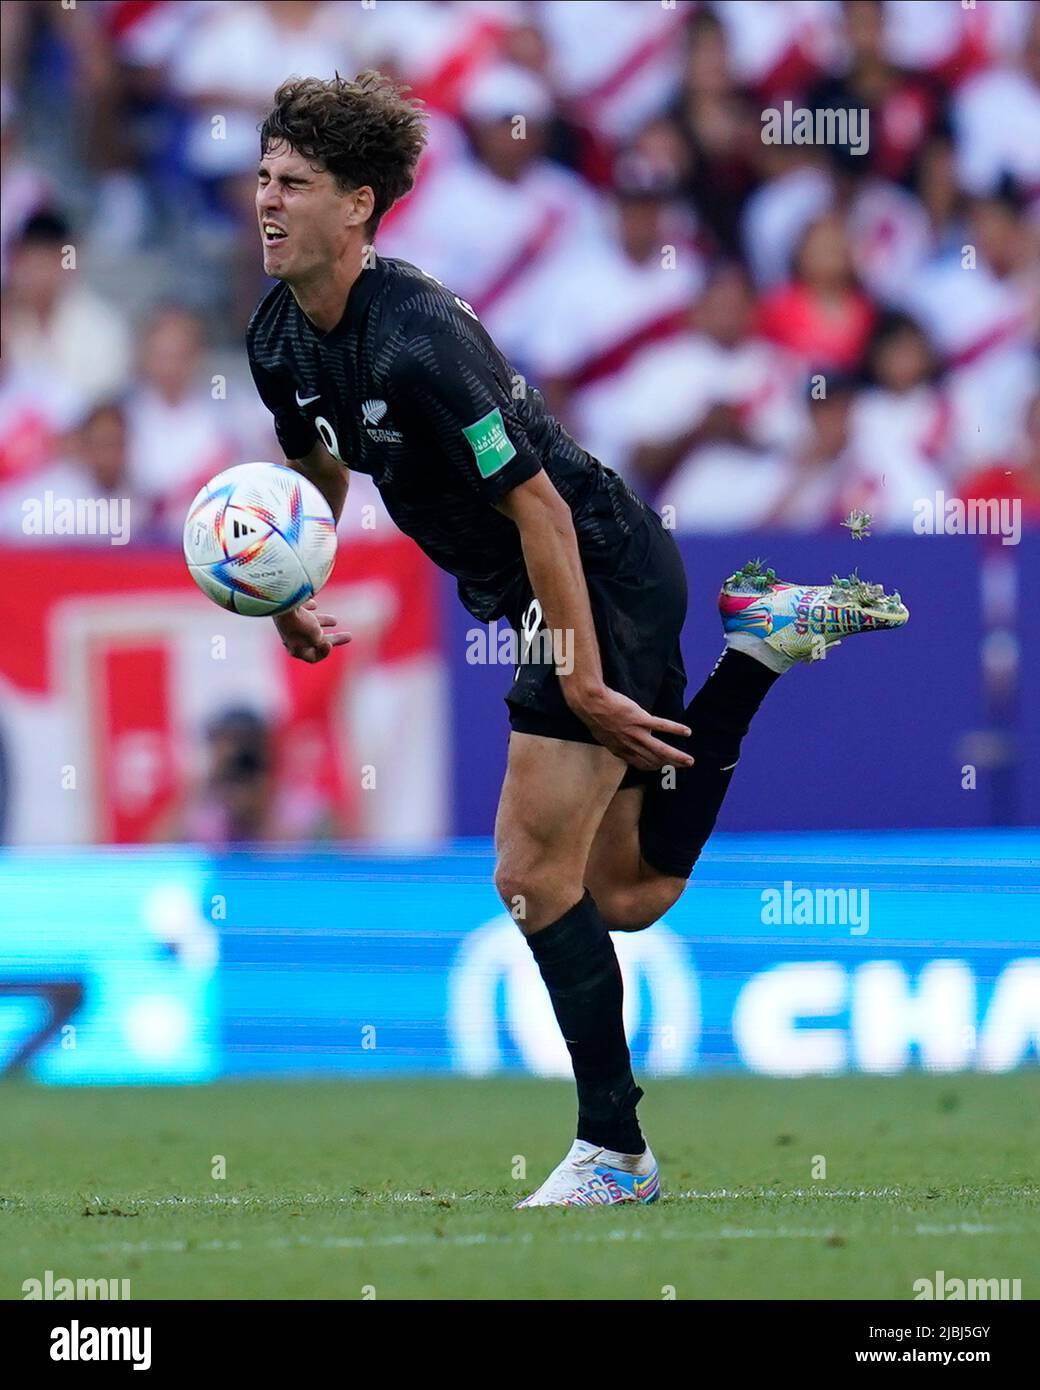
{"x":776,"y":47}
{"x":235,"y":804}
{"x":717,"y":386}
{"x":1017,"y":476}
{"x":173,"y":399}
{"x":795,"y":186}
{"x":997,"y":119}
{"x":846,"y":462}
{"x":95,"y":469}
{"x":645,"y":252}
{"x":900,"y":427}
{"x":905,"y":109}
{"x":57,"y":325}
{"x":36,"y":409}
{"x":981,"y":310}
{"x":736,"y":417}
{"x":721,"y":129}
{"x":24,"y":190}
{"x":233,"y":58}
{"x":239,"y":799}
{"x":512,"y":212}
{"x":935,"y":183}
{"x":890,"y":236}
{"x":439,"y":49}
{"x":614,"y":63}
{"x":822,"y":314}
{"x":811,"y":497}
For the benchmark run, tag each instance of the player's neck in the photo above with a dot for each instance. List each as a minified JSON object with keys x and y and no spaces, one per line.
{"x":323,"y":297}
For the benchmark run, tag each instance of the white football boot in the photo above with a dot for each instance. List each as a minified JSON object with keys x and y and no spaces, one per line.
{"x":593,"y":1177}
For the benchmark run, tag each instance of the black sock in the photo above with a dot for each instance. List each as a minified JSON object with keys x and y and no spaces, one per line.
{"x":680,"y":811}
{"x":580,"y":968}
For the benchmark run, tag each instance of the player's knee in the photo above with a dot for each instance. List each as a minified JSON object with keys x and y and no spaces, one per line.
{"x":507,"y":883}
{"x":637,"y":907}
{"x":517,"y":878}
{"x":622,"y":914}
{"x":531,"y":885}
{"x":518,"y":883}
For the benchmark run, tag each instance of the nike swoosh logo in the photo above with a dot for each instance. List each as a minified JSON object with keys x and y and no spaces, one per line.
{"x":306,"y":400}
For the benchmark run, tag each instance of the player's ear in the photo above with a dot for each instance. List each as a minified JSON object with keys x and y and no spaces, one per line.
{"x":360,"y":206}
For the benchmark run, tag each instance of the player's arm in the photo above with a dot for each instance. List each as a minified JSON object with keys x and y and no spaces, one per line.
{"x":554,"y":567}
{"x":329,"y":476}
{"x":306,"y":633}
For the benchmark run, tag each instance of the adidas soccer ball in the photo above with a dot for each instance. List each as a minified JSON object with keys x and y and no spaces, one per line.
{"x":259,"y":539}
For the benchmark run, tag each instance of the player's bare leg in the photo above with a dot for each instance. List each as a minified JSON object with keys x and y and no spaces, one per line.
{"x":631,"y":894}
{"x":553,"y":799}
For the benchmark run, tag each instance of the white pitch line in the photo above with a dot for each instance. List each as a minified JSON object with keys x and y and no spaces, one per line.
{"x":484,"y":1238}
{"x":962,"y":1228}
{"x":758,"y":1194}
{"x":315,"y":1198}
{"x":377,"y":1199}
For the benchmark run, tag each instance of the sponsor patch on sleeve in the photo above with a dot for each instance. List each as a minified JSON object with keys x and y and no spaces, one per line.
{"x":491,"y":446}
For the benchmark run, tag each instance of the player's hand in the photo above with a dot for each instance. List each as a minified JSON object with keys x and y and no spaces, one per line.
{"x":629,"y":731}
{"x":307,"y":634}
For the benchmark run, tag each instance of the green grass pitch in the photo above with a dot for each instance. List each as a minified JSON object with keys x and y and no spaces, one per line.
{"x":403,"y":1189}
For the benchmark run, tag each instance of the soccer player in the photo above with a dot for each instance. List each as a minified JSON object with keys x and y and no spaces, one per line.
{"x":613,"y":781}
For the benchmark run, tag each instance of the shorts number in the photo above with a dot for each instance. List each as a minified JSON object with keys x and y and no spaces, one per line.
{"x":328,"y":437}
{"x":529,"y":625}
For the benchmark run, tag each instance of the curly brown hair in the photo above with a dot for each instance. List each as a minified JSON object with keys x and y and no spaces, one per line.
{"x":363,"y":132}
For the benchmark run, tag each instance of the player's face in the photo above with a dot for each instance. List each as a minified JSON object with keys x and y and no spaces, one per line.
{"x":304,"y":217}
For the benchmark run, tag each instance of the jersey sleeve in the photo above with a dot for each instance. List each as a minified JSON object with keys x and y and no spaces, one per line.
{"x":296,"y":434}
{"x":446,"y":391}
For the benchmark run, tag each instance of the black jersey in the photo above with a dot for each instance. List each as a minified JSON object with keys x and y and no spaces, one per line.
{"x":410,"y":389}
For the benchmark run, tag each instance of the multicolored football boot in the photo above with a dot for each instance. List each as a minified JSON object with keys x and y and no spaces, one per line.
{"x":594,"y":1177}
{"x":781,"y":624}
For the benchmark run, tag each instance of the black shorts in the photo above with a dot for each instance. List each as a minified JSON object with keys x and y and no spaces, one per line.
{"x":638,"y":596}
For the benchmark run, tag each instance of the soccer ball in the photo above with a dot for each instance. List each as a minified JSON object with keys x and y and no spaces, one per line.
{"x":259,"y":539}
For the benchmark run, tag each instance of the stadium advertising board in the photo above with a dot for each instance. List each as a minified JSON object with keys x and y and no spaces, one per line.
{"x":782,"y":960}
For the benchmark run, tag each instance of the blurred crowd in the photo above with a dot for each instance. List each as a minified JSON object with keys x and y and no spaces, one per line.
{"x":759,"y":335}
